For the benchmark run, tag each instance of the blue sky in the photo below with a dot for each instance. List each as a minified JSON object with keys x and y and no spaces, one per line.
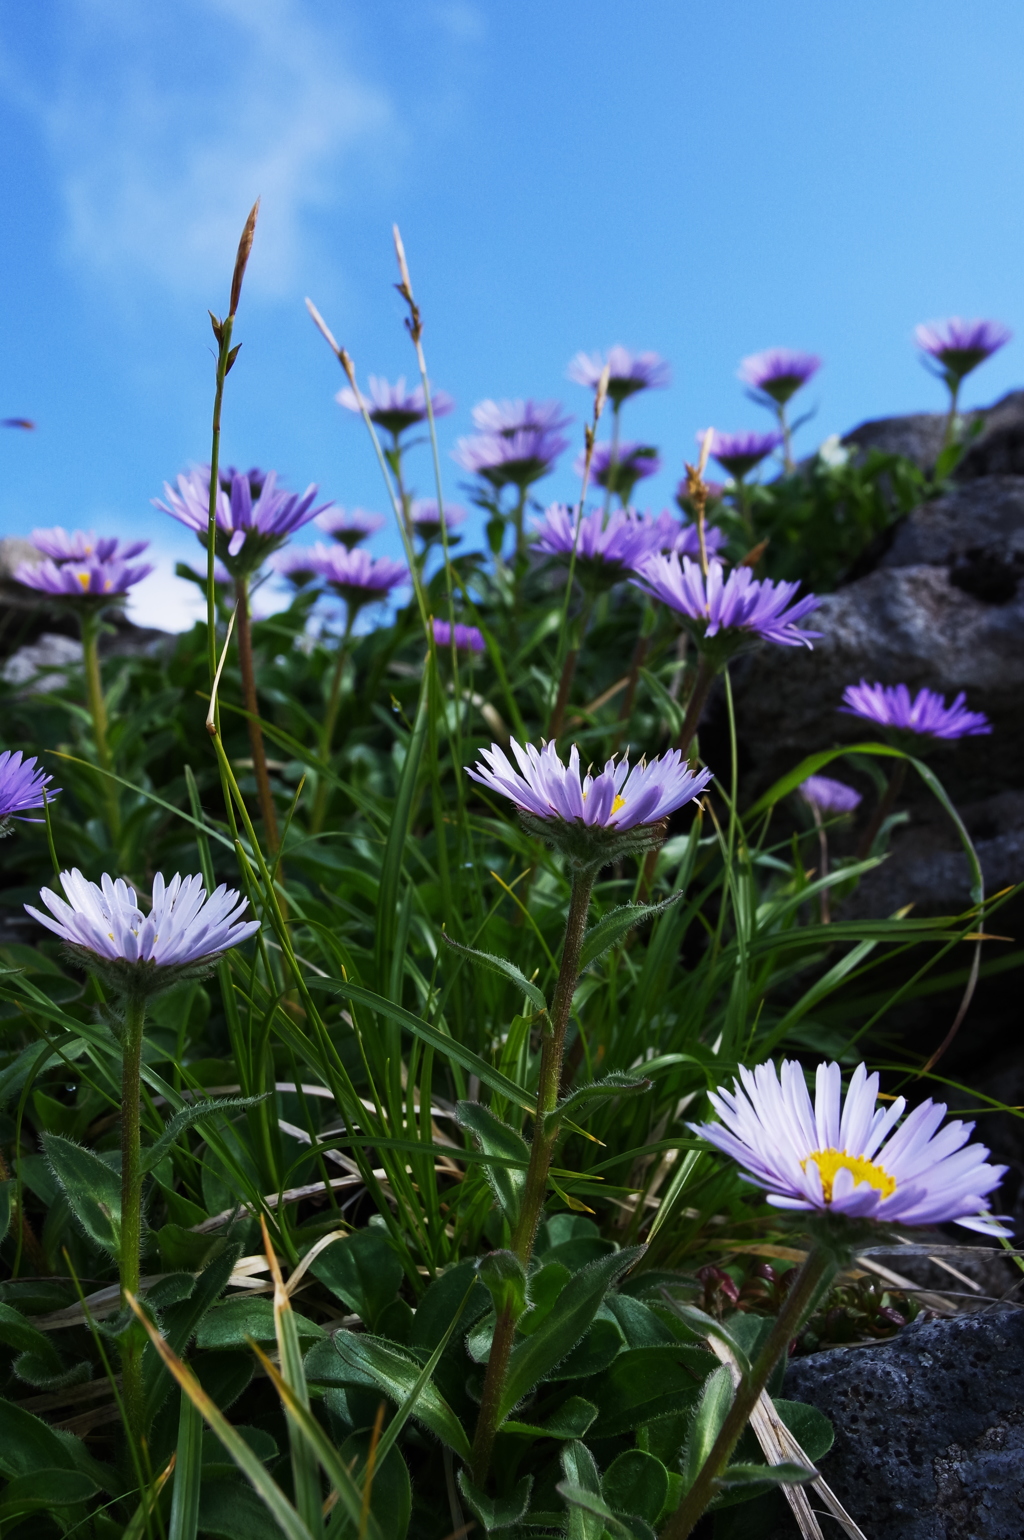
{"x":704,"y":179}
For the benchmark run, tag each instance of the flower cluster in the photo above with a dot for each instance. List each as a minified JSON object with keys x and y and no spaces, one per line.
{"x":516,"y":457}
{"x":426,"y":518}
{"x":851,"y":1158}
{"x":619,"y":467}
{"x":619,"y":798}
{"x":90,"y":580}
{"x":829,"y":796}
{"x":253,"y":515}
{"x":607,"y":549}
{"x":924,"y":715}
{"x":393,"y":407}
{"x":510,"y":417}
{"x":356,"y":576}
{"x":184,"y":932}
{"x":467,"y":638}
{"x":778,"y":373}
{"x":349,"y":528}
{"x":23,"y":786}
{"x":959,"y":346}
{"x":728,"y":614}
{"x":739,"y":453}
{"x":627,"y":372}
{"x":84,"y":546}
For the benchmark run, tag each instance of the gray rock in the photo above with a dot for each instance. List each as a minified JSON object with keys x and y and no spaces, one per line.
{"x":43,"y":664}
{"x":907,"y":624}
{"x":976,"y":531}
{"x":918,"y":436}
{"x":999,"y":448}
{"x":929,"y":1429}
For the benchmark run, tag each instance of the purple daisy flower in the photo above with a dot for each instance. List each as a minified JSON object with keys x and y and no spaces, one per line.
{"x":778,"y":373}
{"x":299,"y":564}
{"x":23,"y":786}
{"x":628,"y":372}
{"x":738,"y":453}
{"x":829,"y":796}
{"x":607,"y":549}
{"x":619,"y":468}
{"x":851,"y":1158}
{"x":510,"y":417}
{"x":254,"y":515}
{"x":510,"y":459}
{"x":730,"y":613}
{"x":84,"y":546}
{"x":959,"y":346}
{"x":92,"y":579}
{"x":349,"y":527}
{"x":467,"y":638}
{"x":356,"y":576}
{"x":426,"y":520}
{"x":926,"y":714}
{"x":184,"y":929}
{"x":393,"y":407}
{"x":619,"y":797}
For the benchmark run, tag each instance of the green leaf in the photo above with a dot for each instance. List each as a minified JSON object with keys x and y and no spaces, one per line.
{"x":19,"y":1333}
{"x":571,"y":1421}
{"x":6,"y":1201}
{"x":504,"y":1277}
{"x":712,"y":1410}
{"x":188,"y":1477}
{"x":45,"y":1489}
{"x":620,"y":1528}
{"x":636,"y":1483}
{"x":811,"y":1428}
{"x":195,"y":1112}
{"x":496,"y":1513}
{"x":503,"y":966}
{"x":785,"y":1474}
{"x":27,"y":1444}
{"x":391,"y":1493}
{"x":442,"y":1304}
{"x":614,"y":925}
{"x":581,"y":1475}
{"x":494,"y":1137}
{"x":616,"y":1084}
{"x":457,"y":1052}
{"x":533,"y":1357}
{"x":396,"y":1375}
{"x":92,"y":1189}
{"x":363,"y":1271}
{"x":397,"y":840}
{"x":592,"y":1355}
{"x":230,"y":1510}
{"x":704,"y":1325}
{"x":182,"y":1248}
{"x":228,"y":1325}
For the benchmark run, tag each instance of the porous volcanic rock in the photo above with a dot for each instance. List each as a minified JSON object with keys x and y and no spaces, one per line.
{"x":929,"y":1429}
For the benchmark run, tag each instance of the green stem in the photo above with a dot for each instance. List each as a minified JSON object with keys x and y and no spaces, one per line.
{"x":259,"y":756}
{"x":787,"y":439}
{"x":819,"y":1266}
{"x":541,"y":1151}
{"x":224,"y":340}
{"x":886,"y":803}
{"x":568,"y":673}
{"x":706,"y":672}
{"x":91,"y":626}
{"x":131,"y":1200}
{"x":331,"y":720}
{"x":613,"y":461}
{"x":743,"y":507}
{"x":954,"y":396}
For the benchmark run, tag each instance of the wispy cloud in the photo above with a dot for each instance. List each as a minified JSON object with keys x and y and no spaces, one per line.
{"x":166,"y":122}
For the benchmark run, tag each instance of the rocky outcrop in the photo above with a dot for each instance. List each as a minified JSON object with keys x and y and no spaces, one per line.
{"x":929,"y":1429}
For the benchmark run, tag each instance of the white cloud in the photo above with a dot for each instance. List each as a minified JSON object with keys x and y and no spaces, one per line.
{"x":167,"y":122}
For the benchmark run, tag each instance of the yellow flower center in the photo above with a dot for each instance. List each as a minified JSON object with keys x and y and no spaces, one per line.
{"x":619,"y":802}
{"x":830,"y":1161}
{"x":83,"y":578}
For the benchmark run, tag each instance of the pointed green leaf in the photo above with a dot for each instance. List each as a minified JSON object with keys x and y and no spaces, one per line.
{"x":712,"y":1410}
{"x":616,"y":1084}
{"x":621,"y":1528}
{"x":496,"y":1138}
{"x":92,"y":1189}
{"x":195,"y":1112}
{"x":614,"y":925}
{"x":533,"y":1357}
{"x":500,"y":965}
{"x":504,"y":1277}
{"x":636,"y":1483}
{"x":496,"y":1513}
{"x":396,"y":1375}
{"x":571,"y":1421}
{"x":784,"y":1474}
{"x":704,"y":1325}
{"x":581,"y":1475}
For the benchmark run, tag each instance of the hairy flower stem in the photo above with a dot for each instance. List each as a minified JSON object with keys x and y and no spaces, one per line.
{"x":331,"y":721}
{"x":259,"y":757}
{"x":131,"y":1201}
{"x":886,"y":803}
{"x":91,"y":624}
{"x":541,"y":1151}
{"x":816,"y":1270}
